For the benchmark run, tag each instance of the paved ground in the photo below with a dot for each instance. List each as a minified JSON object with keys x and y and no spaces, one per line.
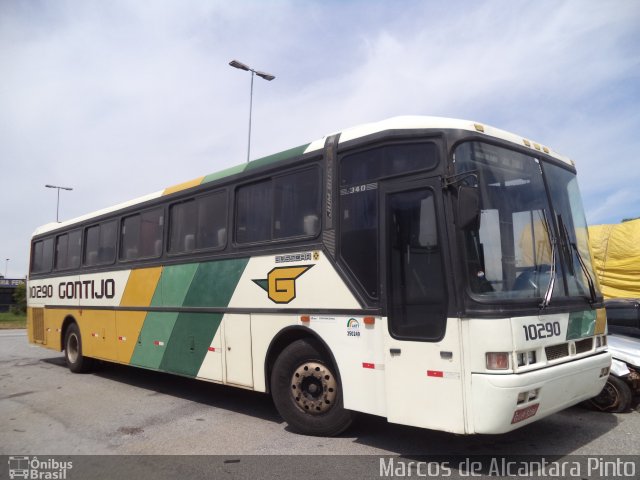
{"x":45,"y":409}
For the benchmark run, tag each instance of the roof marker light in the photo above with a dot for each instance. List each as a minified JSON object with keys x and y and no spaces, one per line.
{"x":479,"y":127}
{"x":526,"y":142}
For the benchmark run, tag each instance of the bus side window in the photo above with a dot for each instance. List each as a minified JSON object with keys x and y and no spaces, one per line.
{"x":100,"y":244}
{"x":253,"y":212}
{"x":42,"y":259}
{"x":141,"y":235}
{"x":130,"y":235}
{"x":212,"y":221}
{"x":62,"y":243}
{"x":297,"y":204}
{"x":182,"y":227}
{"x":359,"y":237}
{"x":74,"y":249}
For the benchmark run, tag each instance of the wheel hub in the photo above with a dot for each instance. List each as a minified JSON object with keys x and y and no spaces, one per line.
{"x":72,"y":348}
{"x":314,"y":388}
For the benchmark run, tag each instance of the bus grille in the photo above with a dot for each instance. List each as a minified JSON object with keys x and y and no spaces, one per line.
{"x":555,"y":352}
{"x":584,"y":345}
{"x":37,"y":314}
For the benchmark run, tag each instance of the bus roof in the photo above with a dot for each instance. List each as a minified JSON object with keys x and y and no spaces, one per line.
{"x":415,"y":122}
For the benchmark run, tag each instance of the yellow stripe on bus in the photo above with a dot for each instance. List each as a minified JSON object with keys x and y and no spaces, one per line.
{"x":141,"y":286}
{"x":183,"y":186}
{"x":128,"y":328}
{"x":139,"y":291}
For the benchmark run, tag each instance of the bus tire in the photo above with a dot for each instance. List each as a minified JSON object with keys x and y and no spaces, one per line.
{"x":307,"y":392}
{"x":76,"y":362}
{"x":615,"y":397}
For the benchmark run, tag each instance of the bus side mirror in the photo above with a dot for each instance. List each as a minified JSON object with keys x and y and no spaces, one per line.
{"x":468,"y":213}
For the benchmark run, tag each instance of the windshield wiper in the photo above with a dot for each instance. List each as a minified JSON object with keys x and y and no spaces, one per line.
{"x":583,"y":265}
{"x":546,"y":300}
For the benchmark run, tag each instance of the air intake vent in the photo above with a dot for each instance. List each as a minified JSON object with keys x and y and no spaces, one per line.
{"x":584,"y":345}
{"x":37,"y":315}
{"x":555,"y":352}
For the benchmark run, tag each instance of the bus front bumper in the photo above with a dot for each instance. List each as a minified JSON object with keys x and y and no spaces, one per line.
{"x":495,"y":407}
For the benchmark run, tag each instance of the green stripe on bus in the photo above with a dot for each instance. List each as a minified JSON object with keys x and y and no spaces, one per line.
{"x":190,"y":340}
{"x":276,"y":157}
{"x":212,"y":286}
{"x":174,"y":285}
{"x":224,"y":173}
{"x":259,"y":162}
{"x":171,"y":291}
{"x":179,"y":342}
{"x":153,"y":339}
{"x":214,"y":283}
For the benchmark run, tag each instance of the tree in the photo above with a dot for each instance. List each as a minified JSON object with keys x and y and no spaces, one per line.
{"x":20,"y":297}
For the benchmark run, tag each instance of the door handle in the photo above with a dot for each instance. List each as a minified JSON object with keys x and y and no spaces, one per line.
{"x":395,"y":351}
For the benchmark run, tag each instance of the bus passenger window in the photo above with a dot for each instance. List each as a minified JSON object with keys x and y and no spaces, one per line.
{"x":62,"y":243}
{"x":182,"y":230}
{"x":68,"y":250}
{"x":42,"y":256}
{"x":130,"y":235}
{"x":74,"y":249}
{"x":141,"y":235}
{"x":297,"y":204}
{"x":212,"y":221}
{"x":253,"y":212}
{"x":198,"y":224}
{"x":100,"y":244}
{"x":287,"y":206}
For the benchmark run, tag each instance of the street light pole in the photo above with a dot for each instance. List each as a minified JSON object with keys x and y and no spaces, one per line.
{"x":58,"y":204}
{"x":6,"y":267}
{"x":266,"y":76}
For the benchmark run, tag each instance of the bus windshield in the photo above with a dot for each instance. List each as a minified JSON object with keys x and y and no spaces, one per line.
{"x":524,"y":247}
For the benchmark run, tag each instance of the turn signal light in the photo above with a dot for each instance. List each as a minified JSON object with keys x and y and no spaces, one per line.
{"x":497,"y":360}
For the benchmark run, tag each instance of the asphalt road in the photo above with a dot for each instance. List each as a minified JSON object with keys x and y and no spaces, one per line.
{"x":45,"y":409}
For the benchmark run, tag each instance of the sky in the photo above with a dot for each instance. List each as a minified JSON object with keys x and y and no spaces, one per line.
{"x":123,"y":98}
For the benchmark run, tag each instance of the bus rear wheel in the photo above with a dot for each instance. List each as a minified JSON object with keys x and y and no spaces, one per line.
{"x":307,"y":391}
{"x":76,"y":361}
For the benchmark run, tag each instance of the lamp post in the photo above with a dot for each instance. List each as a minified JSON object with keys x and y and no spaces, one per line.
{"x":58,"y":204}
{"x":266,"y":76}
{"x":6,"y":267}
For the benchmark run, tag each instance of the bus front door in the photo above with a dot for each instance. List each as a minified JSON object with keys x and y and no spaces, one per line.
{"x":422,"y":353}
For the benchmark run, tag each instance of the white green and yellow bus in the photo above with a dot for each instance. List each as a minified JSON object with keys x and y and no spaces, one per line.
{"x":432,"y":271}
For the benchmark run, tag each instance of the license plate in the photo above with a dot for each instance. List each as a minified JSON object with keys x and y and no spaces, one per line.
{"x":525,"y":413}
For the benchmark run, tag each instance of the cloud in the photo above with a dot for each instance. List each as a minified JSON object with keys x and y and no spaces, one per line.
{"x":118,"y":99}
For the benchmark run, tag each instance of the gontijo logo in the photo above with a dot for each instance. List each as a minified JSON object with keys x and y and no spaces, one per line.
{"x":280,"y":283}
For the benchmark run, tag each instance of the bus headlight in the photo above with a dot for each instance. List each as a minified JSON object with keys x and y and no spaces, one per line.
{"x":497,"y":360}
{"x":526,"y":358}
{"x":601,"y":341}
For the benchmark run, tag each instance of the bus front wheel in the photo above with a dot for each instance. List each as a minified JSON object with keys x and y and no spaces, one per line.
{"x":76,"y":362}
{"x":307,"y":391}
